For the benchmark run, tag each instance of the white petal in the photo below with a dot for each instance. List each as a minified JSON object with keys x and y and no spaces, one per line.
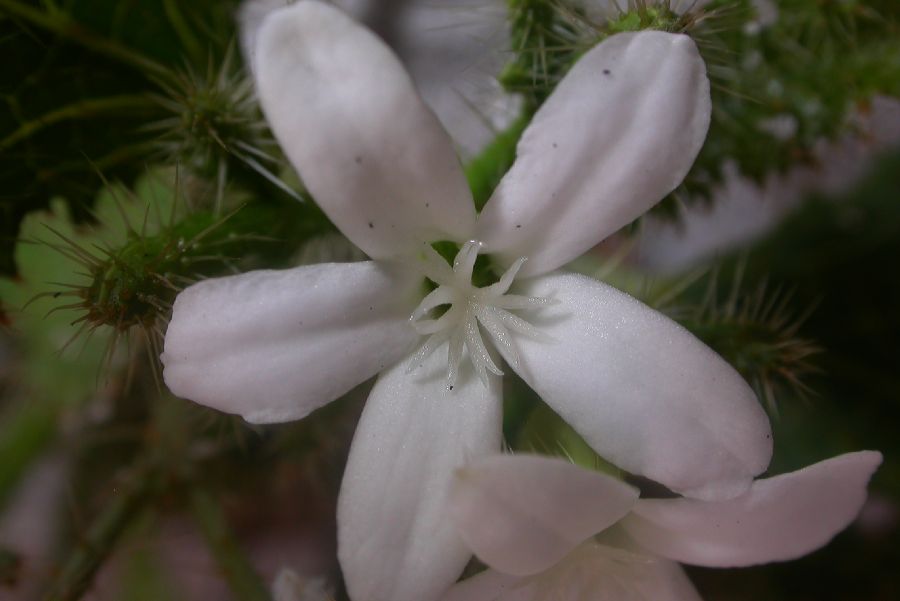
{"x":274,"y":345}
{"x":598,"y":578}
{"x":619,"y":132}
{"x":641,"y":390}
{"x":490,"y":585}
{"x":395,"y":539}
{"x":597,"y":571}
{"x":662,"y":580}
{"x":779,"y":518}
{"x":371,"y":153}
{"x":522,"y":514}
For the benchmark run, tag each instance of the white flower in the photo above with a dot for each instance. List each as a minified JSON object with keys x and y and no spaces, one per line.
{"x":619,"y":133}
{"x":533,"y":520}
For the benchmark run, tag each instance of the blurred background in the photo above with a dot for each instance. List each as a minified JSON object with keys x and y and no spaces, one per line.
{"x":134,"y":161}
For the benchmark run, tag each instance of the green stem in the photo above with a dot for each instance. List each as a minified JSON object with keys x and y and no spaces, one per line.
{"x":77,"y":110}
{"x":62,"y":25}
{"x":107,"y":528}
{"x":245,"y":583}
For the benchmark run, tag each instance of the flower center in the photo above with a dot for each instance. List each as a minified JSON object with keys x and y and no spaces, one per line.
{"x":468,"y":309}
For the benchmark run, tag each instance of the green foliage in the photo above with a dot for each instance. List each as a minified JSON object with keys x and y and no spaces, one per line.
{"x":214,"y":127}
{"x":100,"y":87}
{"x":840,"y":254}
{"x":47,"y":381}
{"x":806,"y":71}
{"x":82,"y":289}
{"x":545,"y":433}
{"x":637,"y":16}
{"x":486,"y":170}
{"x":544,"y":43}
{"x":132,"y":280}
{"x":548,"y":36}
{"x":756,"y":332}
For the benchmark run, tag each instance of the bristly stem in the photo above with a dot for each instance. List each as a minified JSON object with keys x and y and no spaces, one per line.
{"x":94,"y":548}
{"x":189,"y":41}
{"x":79,"y":110}
{"x":243,"y":580}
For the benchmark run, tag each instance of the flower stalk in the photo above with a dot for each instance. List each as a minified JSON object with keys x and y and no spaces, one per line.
{"x":131,"y":499}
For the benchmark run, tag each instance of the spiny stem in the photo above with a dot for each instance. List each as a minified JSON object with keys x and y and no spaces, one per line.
{"x":245,"y":583}
{"x":103,"y":534}
{"x":77,"y":110}
{"x":188,"y":40}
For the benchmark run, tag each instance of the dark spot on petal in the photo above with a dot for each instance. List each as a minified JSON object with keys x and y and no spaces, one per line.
{"x":607,"y":72}
{"x":358,"y":160}
{"x":371,"y":225}
{"x":555,"y":145}
{"x":427,"y":204}
{"x":451,"y":387}
{"x":518,"y":226}
{"x":371,"y":309}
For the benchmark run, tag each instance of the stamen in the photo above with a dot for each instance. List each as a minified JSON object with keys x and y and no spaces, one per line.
{"x":498,"y":331}
{"x":464,"y":262}
{"x":430,"y":326}
{"x":506,"y":279}
{"x":435,"y":267}
{"x":516,"y":301}
{"x":431,"y":345}
{"x":481,"y":358}
{"x":436,"y":298}
{"x":517,"y":324}
{"x":454,"y":356}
